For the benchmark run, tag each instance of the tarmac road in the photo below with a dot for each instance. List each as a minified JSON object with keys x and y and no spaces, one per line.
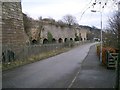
{"x":55,"y":72}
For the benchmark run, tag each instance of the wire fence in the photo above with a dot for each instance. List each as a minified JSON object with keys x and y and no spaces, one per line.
{"x":12,"y":53}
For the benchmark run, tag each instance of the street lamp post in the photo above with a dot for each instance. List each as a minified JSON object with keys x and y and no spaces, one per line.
{"x":100,"y":34}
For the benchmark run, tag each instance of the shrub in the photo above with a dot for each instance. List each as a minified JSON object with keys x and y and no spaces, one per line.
{"x":50,"y":37}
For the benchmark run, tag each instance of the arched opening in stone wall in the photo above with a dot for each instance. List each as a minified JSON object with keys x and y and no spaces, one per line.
{"x":65,"y":40}
{"x":45,"y":41}
{"x":60,"y":40}
{"x":77,"y":38}
{"x":71,"y":39}
{"x":81,"y":39}
{"x":84,"y":39}
{"x":74,"y":39}
{"x":53,"y":40}
{"x":34,"y":41}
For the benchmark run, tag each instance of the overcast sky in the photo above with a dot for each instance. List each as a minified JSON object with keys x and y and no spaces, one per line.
{"x":56,"y":9}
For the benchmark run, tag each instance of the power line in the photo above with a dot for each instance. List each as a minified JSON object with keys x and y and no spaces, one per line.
{"x":85,"y":7}
{"x":88,"y":6}
{"x":98,"y":4}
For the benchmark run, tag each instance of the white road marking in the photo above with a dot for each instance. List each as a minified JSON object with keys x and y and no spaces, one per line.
{"x":73,"y":80}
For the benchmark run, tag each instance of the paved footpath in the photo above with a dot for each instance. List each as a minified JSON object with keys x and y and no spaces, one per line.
{"x":93,"y":74}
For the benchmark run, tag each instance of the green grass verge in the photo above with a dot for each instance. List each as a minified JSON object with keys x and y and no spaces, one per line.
{"x":31,"y":59}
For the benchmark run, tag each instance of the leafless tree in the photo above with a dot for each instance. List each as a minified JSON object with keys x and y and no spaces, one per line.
{"x":114,"y":27}
{"x":69,"y":19}
{"x":113,"y":36}
{"x":114,"y":23}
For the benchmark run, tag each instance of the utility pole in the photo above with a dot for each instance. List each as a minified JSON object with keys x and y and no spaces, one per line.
{"x":101,"y":36}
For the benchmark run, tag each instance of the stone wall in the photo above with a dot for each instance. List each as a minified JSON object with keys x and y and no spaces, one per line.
{"x":13,"y":35}
{"x":83,"y":32}
{"x":12,"y":25}
{"x":59,"y":33}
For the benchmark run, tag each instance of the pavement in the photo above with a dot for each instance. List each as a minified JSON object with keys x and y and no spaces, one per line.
{"x":93,"y":74}
{"x":77,"y":68}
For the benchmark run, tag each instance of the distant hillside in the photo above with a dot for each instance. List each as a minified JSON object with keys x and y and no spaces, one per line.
{"x":93,"y":33}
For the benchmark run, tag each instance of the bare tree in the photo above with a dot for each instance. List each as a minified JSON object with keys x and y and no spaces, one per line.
{"x":114,"y":31}
{"x":114,"y":23}
{"x":69,"y":19}
{"x":114,"y":27}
